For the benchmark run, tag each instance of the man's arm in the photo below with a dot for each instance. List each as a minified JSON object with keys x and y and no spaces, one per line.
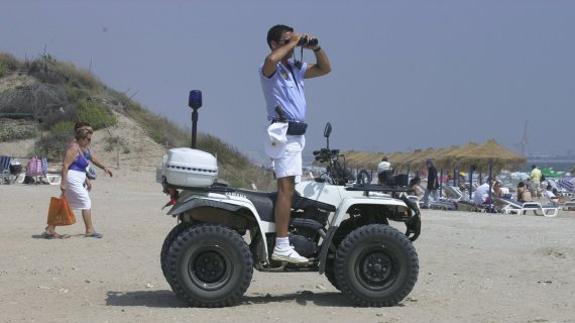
{"x":321,"y":67}
{"x":278,"y":54}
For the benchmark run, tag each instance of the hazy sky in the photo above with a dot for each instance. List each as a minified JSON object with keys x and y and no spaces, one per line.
{"x":406,"y":74}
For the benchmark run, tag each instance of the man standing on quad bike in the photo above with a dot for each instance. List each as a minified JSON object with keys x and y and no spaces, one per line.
{"x":283,"y":88}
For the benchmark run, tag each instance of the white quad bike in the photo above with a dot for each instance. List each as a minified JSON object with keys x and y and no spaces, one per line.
{"x":223,"y":233}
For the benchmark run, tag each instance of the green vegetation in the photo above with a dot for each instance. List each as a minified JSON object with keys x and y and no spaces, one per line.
{"x":53,"y":143}
{"x":11,"y":130}
{"x":96,"y":114}
{"x":234,"y":166}
{"x":69,"y":94}
{"x":8,"y":64}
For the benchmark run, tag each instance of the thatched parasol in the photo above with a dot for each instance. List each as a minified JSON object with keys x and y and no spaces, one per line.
{"x":490,"y":151}
{"x":361,"y":159}
{"x":418,"y":157}
{"x":471,"y":154}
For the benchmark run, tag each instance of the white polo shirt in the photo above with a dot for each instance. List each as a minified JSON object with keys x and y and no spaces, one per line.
{"x":286,"y":89}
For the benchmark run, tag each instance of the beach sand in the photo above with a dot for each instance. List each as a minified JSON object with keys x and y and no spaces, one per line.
{"x":474,"y":267}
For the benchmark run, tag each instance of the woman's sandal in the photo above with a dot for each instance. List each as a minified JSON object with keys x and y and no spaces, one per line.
{"x":94,"y":235}
{"x":54,"y":235}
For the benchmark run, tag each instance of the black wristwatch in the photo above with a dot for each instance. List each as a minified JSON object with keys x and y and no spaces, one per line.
{"x":315,"y":50}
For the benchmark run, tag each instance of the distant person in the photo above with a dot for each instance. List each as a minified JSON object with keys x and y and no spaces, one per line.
{"x":432,"y":183}
{"x":523,"y":194}
{"x":481,"y":194}
{"x":75,"y":185}
{"x":282,"y":81}
{"x":499,"y":190}
{"x":415,"y":187}
{"x":552,"y":194}
{"x":535,"y":178}
{"x":384,"y":172}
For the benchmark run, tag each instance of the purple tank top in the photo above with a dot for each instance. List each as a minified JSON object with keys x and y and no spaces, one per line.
{"x":80,"y":163}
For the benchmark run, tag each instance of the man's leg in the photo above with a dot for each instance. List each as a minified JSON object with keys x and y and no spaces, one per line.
{"x":426,"y":198}
{"x":282,"y":212}
{"x":435,"y":195}
{"x":283,"y":251}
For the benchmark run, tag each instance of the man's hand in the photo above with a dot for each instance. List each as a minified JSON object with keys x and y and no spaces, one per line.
{"x":108,"y":171}
{"x":309,"y":37}
{"x":88,"y":185}
{"x":63,"y":187}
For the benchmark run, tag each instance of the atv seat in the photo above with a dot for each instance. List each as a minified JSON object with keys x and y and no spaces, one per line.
{"x":265,"y":202}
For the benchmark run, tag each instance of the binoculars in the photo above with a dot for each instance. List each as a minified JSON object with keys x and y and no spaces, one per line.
{"x":305,"y":41}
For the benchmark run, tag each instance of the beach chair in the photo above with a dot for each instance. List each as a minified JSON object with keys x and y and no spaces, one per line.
{"x":565,"y":205}
{"x":5,"y":169}
{"x":510,"y":206}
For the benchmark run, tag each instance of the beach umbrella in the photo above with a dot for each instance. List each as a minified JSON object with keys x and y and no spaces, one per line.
{"x":490,"y":151}
{"x":453,"y":156}
{"x":549,"y":172}
{"x":361,"y":159}
{"x":417,"y":158}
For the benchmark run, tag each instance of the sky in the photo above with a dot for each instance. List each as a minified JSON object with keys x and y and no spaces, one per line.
{"x":405,"y":74}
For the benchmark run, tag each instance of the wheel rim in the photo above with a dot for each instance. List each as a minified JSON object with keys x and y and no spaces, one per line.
{"x":210,"y":268}
{"x":376,"y":268}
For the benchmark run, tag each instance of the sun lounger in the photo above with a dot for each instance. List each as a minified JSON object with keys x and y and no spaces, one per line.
{"x":454,"y":193}
{"x":5,"y":169}
{"x":565,"y":205}
{"x":509,"y":206}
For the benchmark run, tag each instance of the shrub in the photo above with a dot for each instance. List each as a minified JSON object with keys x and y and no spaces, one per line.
{"x":54,"y":143}
{"x":160,"y":129}
{"x":98,"y":115}
{"x":114,"y":142}
{"x":49,"y":70}
{"x":8,"y":64}
{"x":11,"y":130}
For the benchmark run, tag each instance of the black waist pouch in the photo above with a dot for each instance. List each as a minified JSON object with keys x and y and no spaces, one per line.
{"x":296,"y":128}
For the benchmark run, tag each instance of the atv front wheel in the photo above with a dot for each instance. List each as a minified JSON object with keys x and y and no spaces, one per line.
{"x":172,"y":235}
{"x":330,"y":273}
{"x":209,"y":266}
{"x":376,"y":265}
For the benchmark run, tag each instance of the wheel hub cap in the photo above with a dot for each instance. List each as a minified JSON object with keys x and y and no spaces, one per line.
{"x":376,"y":267}
{"x":209,"y":267}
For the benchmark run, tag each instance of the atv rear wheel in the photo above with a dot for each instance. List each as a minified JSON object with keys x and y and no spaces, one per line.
{"x":209,"y":266}
{"x":376,"y":265}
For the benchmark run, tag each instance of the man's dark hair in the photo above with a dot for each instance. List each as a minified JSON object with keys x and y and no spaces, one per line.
{"x":533,"y":166}
{"x":275,"y":33}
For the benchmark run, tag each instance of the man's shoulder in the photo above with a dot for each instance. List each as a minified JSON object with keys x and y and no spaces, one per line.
{"x":263,"y":76}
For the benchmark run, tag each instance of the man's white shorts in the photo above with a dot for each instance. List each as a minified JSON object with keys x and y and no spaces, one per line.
{"x":287,"y":157}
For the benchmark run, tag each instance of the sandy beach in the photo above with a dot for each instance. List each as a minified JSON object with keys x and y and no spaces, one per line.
{"x":475,"y":267}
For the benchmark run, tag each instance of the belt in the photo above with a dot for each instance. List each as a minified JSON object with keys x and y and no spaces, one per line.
{"x":294,"y":128}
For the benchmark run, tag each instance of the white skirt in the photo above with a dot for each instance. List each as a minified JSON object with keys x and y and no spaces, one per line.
{"x":76,"y":193}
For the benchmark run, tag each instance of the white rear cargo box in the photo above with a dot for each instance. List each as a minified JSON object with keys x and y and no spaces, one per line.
{"x":189,"y":167}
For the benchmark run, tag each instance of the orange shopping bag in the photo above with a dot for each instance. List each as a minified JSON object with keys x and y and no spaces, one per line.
{"x":60,"y":213}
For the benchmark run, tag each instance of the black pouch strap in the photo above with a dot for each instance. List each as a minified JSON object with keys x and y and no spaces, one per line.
{"x":296,"y":128}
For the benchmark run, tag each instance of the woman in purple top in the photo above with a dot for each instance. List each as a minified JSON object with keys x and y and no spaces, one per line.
{"x":75,"y":185}
{"x":87,"y":153}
